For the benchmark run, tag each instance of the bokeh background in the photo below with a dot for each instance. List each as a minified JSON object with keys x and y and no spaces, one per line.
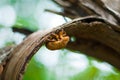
{"x":45,"y":64}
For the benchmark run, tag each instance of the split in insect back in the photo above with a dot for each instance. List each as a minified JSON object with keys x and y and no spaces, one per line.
{"x":57,"y":40}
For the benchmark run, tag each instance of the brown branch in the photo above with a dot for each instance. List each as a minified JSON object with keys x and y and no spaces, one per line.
{"x":94,"y":37}
{"x":23,"y":31}
{"x":5,"y":53}
{"x":89,"y":7}
{"x":93,"y":48}
{"x":70,"y":15}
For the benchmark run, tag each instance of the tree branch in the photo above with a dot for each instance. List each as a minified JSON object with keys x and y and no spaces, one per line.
{"x":94,"y":37}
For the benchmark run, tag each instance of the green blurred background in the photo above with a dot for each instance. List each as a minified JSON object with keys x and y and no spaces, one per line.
{"x":48,"y":65}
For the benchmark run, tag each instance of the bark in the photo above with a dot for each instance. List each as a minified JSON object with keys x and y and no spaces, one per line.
{"x":96,"y":36}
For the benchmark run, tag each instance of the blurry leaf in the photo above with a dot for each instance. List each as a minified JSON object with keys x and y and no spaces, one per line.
{"x":27,"y":24}
{"x":88,"y":74}
{"x":35,"y":71}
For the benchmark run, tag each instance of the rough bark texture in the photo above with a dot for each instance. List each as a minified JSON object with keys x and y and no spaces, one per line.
{"x":97,"y":36}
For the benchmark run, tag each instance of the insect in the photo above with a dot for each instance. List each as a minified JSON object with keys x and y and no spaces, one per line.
{"x":57,"y":40}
